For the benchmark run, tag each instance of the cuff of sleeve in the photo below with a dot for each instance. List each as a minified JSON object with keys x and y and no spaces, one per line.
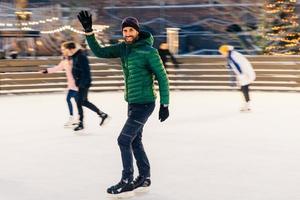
{"x":89,"y":32}
{"x":164,"y":102}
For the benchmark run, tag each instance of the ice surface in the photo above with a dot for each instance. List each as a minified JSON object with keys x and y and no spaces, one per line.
{"x":206,"y":150}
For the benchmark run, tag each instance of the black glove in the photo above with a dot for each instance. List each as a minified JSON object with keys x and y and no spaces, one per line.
{"x":163,"y":113}
{"x":44,"y":71}
{"x":85,"y":19}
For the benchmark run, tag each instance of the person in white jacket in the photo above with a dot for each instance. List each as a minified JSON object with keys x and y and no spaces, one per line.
{"x":242,"y":69}
{"x":66,"y":65}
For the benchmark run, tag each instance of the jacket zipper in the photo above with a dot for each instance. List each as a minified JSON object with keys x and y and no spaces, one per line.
{"x":126,"y":66}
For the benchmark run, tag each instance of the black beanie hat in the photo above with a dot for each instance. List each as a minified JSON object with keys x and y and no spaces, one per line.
{"x":131,"y":22}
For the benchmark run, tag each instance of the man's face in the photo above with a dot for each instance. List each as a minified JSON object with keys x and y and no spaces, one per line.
{"x":130,"y":34}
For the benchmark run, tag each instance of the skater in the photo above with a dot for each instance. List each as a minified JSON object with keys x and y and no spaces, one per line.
{"x":66,"y":64}
{"x":82,"y":75}
{"x":140,"y":63}
{"x":243,"y":71}
{"x":164,"y":53}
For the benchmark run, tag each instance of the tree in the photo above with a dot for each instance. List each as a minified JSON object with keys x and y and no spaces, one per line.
{"x":281,"y":28}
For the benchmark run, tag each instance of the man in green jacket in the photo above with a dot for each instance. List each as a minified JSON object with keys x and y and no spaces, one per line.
{"x":140,"y":64}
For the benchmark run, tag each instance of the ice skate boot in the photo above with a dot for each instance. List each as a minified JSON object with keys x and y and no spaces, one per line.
{"x":104,"y":119}
{"x":141,"y":184}
{"x":79,"y":127}
{"x":124,"y":189}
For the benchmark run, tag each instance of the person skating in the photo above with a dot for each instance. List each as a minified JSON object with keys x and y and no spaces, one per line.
{"x":82,"y":75}
{"x":66,"y":65}
{"x":165,"y":53}
{"x":243,"y":71}
{"x":140,"y":63}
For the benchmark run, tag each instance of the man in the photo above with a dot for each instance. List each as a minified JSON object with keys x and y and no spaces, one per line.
{"x":164,"y":53}
{"x":82,"y":75}
{"x":242,"y":69}
{"x":140,"y":63}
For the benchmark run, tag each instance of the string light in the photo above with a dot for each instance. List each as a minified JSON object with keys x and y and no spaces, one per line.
{"x":99,"y":28}
{"x":31,"y":23}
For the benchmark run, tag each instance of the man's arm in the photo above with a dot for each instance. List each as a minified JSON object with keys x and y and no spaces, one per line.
{"x":159,"y":71}
{"x":112,"y":51}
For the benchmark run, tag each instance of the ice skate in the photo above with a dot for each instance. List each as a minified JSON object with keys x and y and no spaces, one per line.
{"x":104,"y":119}
{"x":246,"y":107}
{"x":124,"y":189}
{"x":79,"y":127}
{"x":71,"y":122}
{"x":141,"y":184}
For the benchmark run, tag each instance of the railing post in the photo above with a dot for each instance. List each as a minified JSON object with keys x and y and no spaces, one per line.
{"x":173,"y":39}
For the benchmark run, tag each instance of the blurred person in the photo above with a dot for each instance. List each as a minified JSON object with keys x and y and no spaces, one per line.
{"x":165,"y":53}
{"x":140,"y":63}
{"x":242,"y":70}
{"x":13,"y":54}
{"x":66,"y":65}
{"x":84,"y":49}
{"x":2,"y":54}
{"x":82,"y":76}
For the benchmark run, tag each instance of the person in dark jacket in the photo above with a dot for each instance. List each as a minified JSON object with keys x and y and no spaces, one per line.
{"x":140,"y":63}
{"x":82,"y":76}
{"x":165,"y":53}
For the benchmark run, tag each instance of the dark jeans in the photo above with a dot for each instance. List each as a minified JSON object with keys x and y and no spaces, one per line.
{"x":245,"y":91}
{"x":83,"y":101}
{"x":130,"y":140}
{"x":71,"y":94}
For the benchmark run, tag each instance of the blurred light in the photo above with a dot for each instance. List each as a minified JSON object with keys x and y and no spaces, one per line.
{"x":39,"y":43}
{"x":23,"y":15}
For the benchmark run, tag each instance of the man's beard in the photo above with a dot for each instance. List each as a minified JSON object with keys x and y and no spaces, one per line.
{"x":132,"y":41}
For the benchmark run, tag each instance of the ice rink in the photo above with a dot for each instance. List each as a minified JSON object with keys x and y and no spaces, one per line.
{"x":206,"y":150}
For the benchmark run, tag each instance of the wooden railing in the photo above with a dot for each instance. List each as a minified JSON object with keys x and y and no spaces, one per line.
{"x":274,"y":73}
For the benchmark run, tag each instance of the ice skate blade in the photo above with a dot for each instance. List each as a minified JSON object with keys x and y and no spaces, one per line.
{"x":141,"y":190}
{"x":245,"y":111}
{"x":70,"y":126}
{"x":123,"y":195}
{"x":80,"y":132}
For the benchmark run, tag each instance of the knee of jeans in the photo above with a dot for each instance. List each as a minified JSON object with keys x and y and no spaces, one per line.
{"x":124,"y":140}
{"x":136,"y":147}
{"x":137,"y":144}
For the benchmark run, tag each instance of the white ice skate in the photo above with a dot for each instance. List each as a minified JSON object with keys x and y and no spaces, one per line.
{"x":246,"y":107}
{"x":71,"y":122}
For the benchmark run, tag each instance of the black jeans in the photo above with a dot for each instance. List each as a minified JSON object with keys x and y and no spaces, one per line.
{"x":130,"y":140}
{"x":82,"y":100}
{"x":245,"y":91}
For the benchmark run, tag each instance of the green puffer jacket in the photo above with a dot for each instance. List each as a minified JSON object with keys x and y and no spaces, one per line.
{"x":140,"y":62}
